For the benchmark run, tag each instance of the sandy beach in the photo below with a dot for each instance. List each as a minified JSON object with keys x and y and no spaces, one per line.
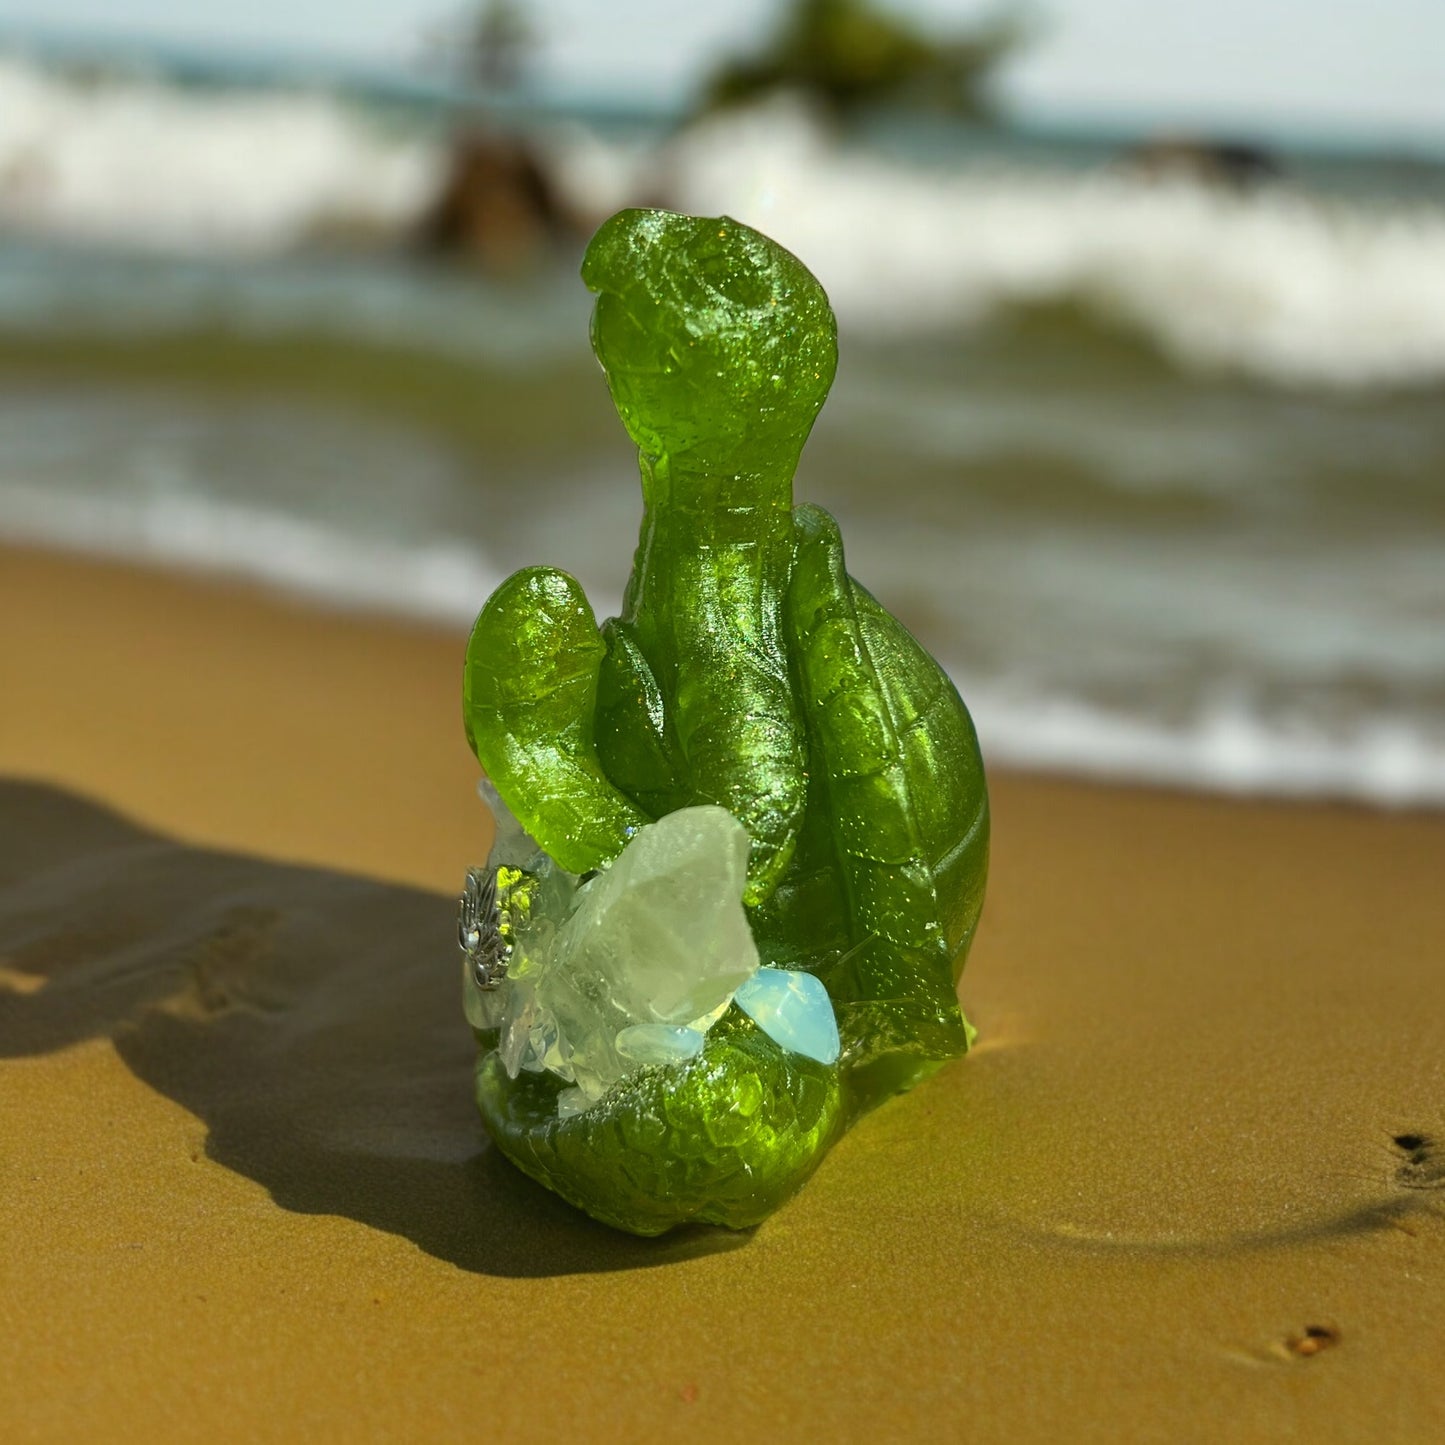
{"x":1189,"y":1185}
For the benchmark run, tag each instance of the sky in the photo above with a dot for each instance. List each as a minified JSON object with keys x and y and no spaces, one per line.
{"x":1337,"y":66}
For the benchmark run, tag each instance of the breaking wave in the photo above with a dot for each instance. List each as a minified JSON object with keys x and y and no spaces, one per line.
{"x":138,"y":162}
{"x":1284,"y":285}
{"x":1278,"y":282}
{"x":1228,"y":745}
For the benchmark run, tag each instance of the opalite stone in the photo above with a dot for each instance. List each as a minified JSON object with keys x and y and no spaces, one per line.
{"x":659,"y":1043}
{"x":794,"y":1010}
{"x":636,"y":966}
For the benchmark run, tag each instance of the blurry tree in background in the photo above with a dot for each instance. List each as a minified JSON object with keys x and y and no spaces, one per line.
{"x":499,"y":206}
{"x":849,"y":55}
{"x":485,"y":48}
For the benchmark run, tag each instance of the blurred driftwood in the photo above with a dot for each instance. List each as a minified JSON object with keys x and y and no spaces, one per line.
{"x":498,"y":206}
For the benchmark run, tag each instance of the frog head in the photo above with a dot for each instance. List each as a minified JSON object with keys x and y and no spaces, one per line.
{"x":718,"y":345}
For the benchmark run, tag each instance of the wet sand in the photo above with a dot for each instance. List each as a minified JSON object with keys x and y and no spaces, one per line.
{"x":1190,"y":1184}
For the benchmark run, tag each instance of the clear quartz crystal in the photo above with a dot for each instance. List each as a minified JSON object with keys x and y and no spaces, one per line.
{"x":663,"y":930}
{"x":631,"y":968}
{"x":485,"y":1008}
{"x":511,"y":843}
{"x":521,"y":1013}
{"x":539,"y":896}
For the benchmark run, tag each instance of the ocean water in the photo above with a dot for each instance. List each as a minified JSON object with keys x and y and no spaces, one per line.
{"x":1157,"y":470}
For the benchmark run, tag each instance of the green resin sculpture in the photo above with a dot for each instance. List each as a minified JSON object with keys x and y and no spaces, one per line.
{"x":634,"y":1056}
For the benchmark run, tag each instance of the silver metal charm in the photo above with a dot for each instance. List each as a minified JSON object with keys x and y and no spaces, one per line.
{"x":479,"y":931}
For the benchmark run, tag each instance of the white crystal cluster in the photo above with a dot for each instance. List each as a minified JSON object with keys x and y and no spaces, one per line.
{"x":632,"y":967}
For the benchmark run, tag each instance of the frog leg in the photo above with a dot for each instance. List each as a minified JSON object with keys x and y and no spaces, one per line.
{"x":943,"y":765}
{"x":868,"y":703}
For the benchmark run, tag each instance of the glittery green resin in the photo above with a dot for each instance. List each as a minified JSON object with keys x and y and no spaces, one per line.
{"x":748,"y":670}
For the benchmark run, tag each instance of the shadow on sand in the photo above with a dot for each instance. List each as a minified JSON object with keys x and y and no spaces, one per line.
{"x":312,"y":1020}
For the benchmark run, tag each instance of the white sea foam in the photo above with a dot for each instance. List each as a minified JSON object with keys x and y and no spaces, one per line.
{"x":1228,"y":746}
{"x":1276,"y":282}
{"x":435,"y":581}
{"x":142,"y":163}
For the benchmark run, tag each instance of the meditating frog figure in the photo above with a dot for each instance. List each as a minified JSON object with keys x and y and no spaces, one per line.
{"x":743,"y":827}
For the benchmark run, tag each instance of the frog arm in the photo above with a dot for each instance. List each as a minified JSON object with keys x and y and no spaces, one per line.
{"x":804,"y":923}
{"x":728,"y":734}
{"x":529,"y":704}
{"x":635,"y":736}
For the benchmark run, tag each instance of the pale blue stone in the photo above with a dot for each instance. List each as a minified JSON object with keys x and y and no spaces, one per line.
{"x":794,"y":1010}
{"x":658,"y":1043}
